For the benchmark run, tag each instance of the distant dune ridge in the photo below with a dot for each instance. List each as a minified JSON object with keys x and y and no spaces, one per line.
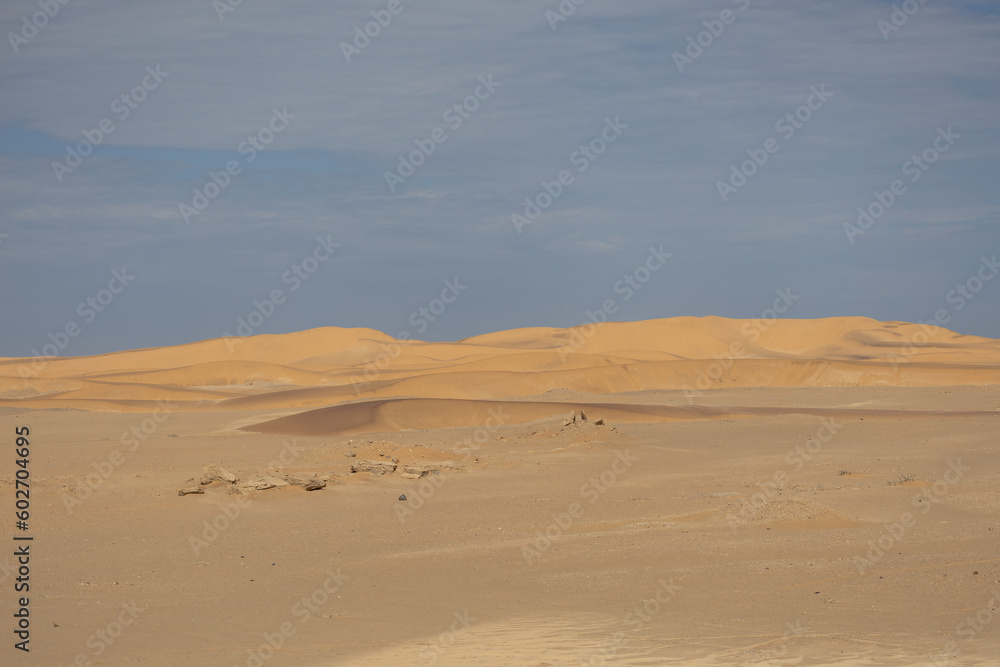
{"x":360,"y":379}
{"x":669,"y":492}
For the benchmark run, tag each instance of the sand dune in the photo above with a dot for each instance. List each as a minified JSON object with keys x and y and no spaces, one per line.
{"x":324,"y":367}
{"x":407,"y":414}
{"x":738,"y":503}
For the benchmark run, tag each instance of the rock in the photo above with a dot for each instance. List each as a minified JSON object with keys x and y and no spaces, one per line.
{"x":307,"y":482}
{"x":402,"y":496}
{"x":395,"y":460}
{"x":599,"y":422}
{"x":416,"y":472}
{"x":214,"y":473}
{"x":190,"y":491}
{"x":374,"y":467}
{"x":350,"y":455}
{"x":583,"y":416}
{"x":262,"y":483}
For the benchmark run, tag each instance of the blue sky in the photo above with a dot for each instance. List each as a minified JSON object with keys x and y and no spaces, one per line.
{"x":323,"y":174}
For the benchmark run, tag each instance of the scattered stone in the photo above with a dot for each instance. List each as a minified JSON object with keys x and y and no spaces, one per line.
{"x":395,"y":460}
{"x":307,"y":482}
{"x":262,"y":483}
{"x":374,"y":467}
{"x":350,"y":455}
{"x":191,"y":490}
{"x":214,"y":473}
{"x":402,"y":496}
{"x":416,"y":472}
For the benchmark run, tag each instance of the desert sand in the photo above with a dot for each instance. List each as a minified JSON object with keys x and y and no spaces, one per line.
{"x":686,"y":491}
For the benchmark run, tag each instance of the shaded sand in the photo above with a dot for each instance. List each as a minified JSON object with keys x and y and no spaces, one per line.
{"x":747,"y":513}
{"x":405,"y":414}
{"x":321,"y":367}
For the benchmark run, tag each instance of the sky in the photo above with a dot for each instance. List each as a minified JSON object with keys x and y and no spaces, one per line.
{"x":436,"y":169}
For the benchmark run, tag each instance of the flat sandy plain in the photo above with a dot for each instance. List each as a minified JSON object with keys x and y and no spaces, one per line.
{"x":804,"y":492}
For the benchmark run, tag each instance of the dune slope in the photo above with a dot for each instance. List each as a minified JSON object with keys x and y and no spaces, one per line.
{"x":327,"y":367}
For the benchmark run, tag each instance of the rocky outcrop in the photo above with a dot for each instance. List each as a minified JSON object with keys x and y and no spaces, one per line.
{"x":214,"y":473}
{"x":374,"y":467}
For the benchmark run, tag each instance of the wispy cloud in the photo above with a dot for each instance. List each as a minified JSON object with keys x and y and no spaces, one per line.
{"x":325,"y":172}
